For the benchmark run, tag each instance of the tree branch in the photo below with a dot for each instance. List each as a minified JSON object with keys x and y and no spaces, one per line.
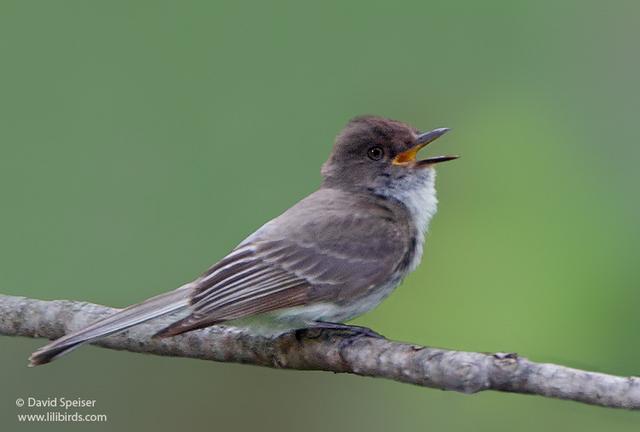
{"x":467,"y":372}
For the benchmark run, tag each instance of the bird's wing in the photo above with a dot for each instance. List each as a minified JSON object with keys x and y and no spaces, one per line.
{"x":295,"y":260}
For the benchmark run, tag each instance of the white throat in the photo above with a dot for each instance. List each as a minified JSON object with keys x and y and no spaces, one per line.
{"x":418,"y":194}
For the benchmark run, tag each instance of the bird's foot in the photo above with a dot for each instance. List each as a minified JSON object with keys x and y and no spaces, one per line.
{"x":352,"y":331}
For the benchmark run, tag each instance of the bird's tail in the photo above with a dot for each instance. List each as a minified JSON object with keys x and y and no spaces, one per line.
{"x":136,"y":314}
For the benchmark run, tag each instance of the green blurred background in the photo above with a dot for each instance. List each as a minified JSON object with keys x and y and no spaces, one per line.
{"x":140,"y":141}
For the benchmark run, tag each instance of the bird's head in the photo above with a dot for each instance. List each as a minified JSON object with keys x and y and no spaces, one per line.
{"x":377,"y":154}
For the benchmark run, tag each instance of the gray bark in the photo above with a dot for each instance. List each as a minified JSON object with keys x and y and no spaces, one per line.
{"x":467,"y":372}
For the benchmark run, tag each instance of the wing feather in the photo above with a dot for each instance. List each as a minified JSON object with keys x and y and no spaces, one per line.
{"x":305,"y":256}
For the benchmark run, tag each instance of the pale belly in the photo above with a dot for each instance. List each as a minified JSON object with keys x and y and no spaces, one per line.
{"x":285,"y":320}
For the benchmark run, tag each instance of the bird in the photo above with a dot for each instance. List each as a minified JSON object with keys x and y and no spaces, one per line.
{"x":331,"y":257}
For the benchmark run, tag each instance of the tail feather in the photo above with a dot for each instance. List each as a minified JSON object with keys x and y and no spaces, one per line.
{"x":187,"y":324}
{"x":136,"y":314}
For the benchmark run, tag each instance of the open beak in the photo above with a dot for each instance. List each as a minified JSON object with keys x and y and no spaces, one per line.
{"x":408,"y":157}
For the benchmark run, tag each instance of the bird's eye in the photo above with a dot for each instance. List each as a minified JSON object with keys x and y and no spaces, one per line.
{"x":375,"y":153}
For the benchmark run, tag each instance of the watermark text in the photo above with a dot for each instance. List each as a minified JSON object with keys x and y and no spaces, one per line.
{"x":58,"y":410}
